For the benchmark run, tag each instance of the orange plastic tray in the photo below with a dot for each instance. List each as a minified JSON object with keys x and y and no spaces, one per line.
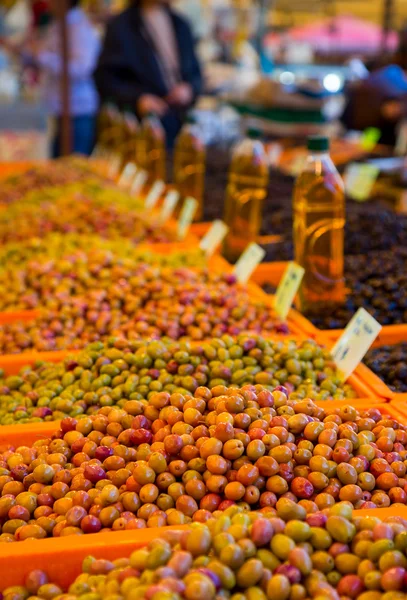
{"x":399,"y":402}
{"x":62,"y":558}
{"x":8,"y":169}
{"x":390,"y":334}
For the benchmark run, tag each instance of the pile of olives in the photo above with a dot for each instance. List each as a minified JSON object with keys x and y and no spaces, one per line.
{"x":250,"y":556}
{"x":102,"y":297}
{"x":177,"y":458}
{"x":40,"y":272}
{"x":111,"y":374}
{"x":390,"y":364}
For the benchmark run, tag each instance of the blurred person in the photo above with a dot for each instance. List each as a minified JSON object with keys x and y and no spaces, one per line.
{"x":148,"y":63}
{"x":45,"y":55}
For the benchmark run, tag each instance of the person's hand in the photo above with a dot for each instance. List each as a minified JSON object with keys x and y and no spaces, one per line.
{"x":181,"y":95}
{"x":151,"y":104}
{"x":392,"y":110}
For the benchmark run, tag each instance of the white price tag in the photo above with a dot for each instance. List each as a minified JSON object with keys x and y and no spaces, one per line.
{"x":359,"y":180}
{"x":139,"y":182}
{"x":213,"y":237}
{"x":114,"y":166}
{"x":169,"y":204}
{"x":98,"y":151}
{"x":355,"y":341}
{"x":186,"y":217}
{"x":274,"y":153}
{"x":154,"y":194}
{"x":401,"y":142}
{"x":287,"y":289}
{"x":251,"y":257}
{"x":128,"y":175}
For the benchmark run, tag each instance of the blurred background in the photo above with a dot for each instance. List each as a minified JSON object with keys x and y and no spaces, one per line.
{"x":295,"y":67}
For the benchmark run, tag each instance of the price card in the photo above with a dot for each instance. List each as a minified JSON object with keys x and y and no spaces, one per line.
{"x":251,"y":257}
{"x":97,"y":152}
{"x":287,"y":289}
{"x":356,"y":340}
{"x":369,"y":138}
{"x":274,"y":153}
{"x":360,"y":179}
{"x":128,"y":175}
{"x":114,"y":166}
{"x":186,"y":217}
{"x":139,"y":182}
{"x":401,"y":142}
{"x":214,"y":236}
{"x":154,"y":194}
{"x":169,"y":204}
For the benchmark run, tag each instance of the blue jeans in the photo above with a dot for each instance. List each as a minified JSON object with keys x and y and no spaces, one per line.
{"x":83,"y":134}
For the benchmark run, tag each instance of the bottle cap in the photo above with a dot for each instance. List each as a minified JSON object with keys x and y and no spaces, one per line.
{"x":318,"y":143}
{"x":254,"y":133}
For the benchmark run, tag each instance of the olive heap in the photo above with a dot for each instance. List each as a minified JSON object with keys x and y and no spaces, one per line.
{"x":177,"y":458}
{"x":85,"y":208}
{"x":40,"y":272}
{"x":103,"y":297}
{"x":378,"y":281}
{"x":387,"y":230}
{"x":27,"y":253}
{"x":258,"y":556}
{"x":64,"y":171}
{"x":390,"y":364}
{"x":111,"y":374}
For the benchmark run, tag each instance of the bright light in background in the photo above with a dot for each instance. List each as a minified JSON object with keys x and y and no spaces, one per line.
{"x":287,"y":78}
{"x":332,"y":83}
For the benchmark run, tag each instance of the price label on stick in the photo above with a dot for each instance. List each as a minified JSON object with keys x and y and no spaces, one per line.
{"x":97,"y":152}
{"x":186,"y":217}
{"x":355,"y":341}
{"x":359,"y":180}
{"x":154,"y":194}
{"x":128,"y":175}
{"x":251,"y":257}
{"x":369,"y":138}
{"x":286,"y":291}
{"x":139,"y":182}
{"x":169,"y":204}
{"x":401,"y":143}
{"x":115,"y":162}
{"x":214,"y":236}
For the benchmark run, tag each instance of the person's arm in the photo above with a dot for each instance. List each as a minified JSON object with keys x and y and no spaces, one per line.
{"x":83,"y":54}
{"x":113,"y":77}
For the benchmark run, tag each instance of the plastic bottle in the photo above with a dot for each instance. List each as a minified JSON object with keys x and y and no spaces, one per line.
{"x":189,"y":164}
{"x":319,"y":222}
{"x":245,"y":194}
{"x":151,"y":153}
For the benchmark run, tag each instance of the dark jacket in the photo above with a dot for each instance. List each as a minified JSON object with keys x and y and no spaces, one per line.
{"x":128,"y":67}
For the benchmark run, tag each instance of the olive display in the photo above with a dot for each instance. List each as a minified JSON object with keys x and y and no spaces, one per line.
{"x":390,"y":364}
{"x":257,"y":556}
{"x":111,"y":374}
{"x":177,"y":458}
{"x":88,"y":207}
{"x":102,"y":297}
{"x":378,"y":283}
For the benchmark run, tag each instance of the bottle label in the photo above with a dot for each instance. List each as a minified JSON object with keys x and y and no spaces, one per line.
{"x":168,"y":207}
{"x":251,"y":257}
{"x":287,"y":289}
{"x":139,"y":182}
{"x":128,"y":175}
{"x":355,"y":341}
{"x":359,"y":180}
{"x":186,"y":217}
{"x":214,"y":236}
{"x":154,"y":194}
